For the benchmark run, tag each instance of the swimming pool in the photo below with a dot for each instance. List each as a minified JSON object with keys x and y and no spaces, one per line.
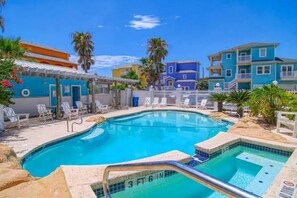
{"x":247,"y":168}
{"x":127,"y":138}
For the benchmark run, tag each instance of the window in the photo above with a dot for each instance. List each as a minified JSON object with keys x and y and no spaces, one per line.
{"x":228,"y":72}
{"x":185,"y":88}
{"x":287,"y":71}
{"x":262,"y":52}
{"x":184,"y":76}
{"x":228,"y":56}
{"x":170,"y":69}
{"x":170,"y":83}
{"x":265,"y":69}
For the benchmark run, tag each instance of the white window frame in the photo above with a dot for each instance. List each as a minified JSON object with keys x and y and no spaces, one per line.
{"x":184,"y":76}
{"x":292,"y":66}
{"x":171,"y":82}
{"x":263,"y":70}
{"x":229,"y":54}
{"x":170,"y":69}
{"x":186,"y":88}
{"x":230,"y":72}
{"x":260,"y":49}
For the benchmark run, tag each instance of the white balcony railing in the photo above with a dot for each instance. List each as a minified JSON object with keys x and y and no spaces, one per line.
{"x":216,"y":64}
{"x":244,"y":76}
{"x":289,"y":75}
{"x":244,"y":58}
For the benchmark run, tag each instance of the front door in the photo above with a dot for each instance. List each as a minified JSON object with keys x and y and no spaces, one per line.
{"x":75,"y":95}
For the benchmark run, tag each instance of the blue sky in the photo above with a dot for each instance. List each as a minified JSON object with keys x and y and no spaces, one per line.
{"x":193,"y":29}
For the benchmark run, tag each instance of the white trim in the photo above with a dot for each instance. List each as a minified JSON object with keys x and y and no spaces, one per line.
{"x":186,"y":81}
{"x":287,"y":67}
{"x":50,"y":93}
{"x":230,"y":72}
{"x":227,"y":56}
{"x":25,"y":94}
{"x":167,"y":83}
{"x":242,"y":53}
{"x":187,"y":71}
{"x":263,"y":69}
{"x":265,"y":52}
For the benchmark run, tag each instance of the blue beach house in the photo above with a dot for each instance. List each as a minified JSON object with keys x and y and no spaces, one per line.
{"x":184,"y":74}
{"x":250,"y":66}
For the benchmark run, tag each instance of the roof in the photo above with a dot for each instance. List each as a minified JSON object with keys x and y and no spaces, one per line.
{"x":286,"y":60}
{"x":246,"y":45}
{"x":45,"y":47}
{"x":39,"y":69}
{"x":34,"y":55}
{"x":184,"y":61}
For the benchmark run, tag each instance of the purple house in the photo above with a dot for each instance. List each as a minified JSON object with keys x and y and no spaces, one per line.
{"x":183,"y":73}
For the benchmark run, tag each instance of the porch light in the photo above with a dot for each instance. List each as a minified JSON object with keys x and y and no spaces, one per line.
{"x":217,"y":85}
{"x":275,"y":82}
{"x":178,"y":85}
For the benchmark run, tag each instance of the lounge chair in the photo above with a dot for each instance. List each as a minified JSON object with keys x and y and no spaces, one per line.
{"x":186,"y":103}
{"x":291,"y":125}
{"x":155,"y":102}
{"x":69,"y":113}
{"x":101,"y":108}
{"x":44,"y":113}
{"x":147,"y":101}
{"x":81,"y":107}
{"x":16,"y":119}
{"x":202,"y":104}
{"x":163,"y":102}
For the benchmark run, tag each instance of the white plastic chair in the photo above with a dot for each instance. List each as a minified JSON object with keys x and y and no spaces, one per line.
{"x":186,"y":103}
{"x":156,"y":101}
{"x":163,"y":102}
{"x":16,"y":119}
{"x":291,"y":125}
{"x":202,"y":104}
{"x":44,"y":113}
{"x":147,"y":101}
{"x":69,"y":113}
{"x":100,"y":107}
{"x":81,"y":107}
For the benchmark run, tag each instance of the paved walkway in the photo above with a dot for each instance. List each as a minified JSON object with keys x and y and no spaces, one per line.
{"x":26,"y":139}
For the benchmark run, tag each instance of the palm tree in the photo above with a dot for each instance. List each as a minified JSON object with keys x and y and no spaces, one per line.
{"x":2,"y":3}
{"x":84,"y":47}
{"x":219,"y":98}
{"x":148,"y":71}
{"x":239,"y":98}
{"x":157,"y":51}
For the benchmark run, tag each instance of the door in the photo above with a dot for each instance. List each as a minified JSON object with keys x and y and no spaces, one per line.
{"x":242,"y":73}
{"x":287,"y":71}
{"x":75,"y":95}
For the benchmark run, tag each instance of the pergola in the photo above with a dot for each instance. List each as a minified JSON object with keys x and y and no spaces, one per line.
{"x":28,"y":68}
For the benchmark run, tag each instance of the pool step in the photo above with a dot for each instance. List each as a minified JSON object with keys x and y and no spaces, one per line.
{"x":263,"y":179}
{"x":95,"y":133}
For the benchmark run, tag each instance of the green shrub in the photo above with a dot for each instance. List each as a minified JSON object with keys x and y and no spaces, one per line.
{"x":219,"y":98}
{"x":240,"y":99}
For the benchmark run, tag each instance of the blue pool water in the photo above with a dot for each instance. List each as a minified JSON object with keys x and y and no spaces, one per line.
{"x":246,"y":168}
{"x":127,"y":138}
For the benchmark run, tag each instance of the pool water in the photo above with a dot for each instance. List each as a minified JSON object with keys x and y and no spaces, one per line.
{"x":127,"y":138}
{"x":246,"y":168}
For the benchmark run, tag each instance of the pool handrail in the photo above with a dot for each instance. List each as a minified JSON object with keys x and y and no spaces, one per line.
{"x":198,"y":176}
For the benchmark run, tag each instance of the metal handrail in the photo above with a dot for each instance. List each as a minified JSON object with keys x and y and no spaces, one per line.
{"x":202,"y":178}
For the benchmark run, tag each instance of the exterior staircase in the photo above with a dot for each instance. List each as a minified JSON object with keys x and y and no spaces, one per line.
{"x":230,"y":85}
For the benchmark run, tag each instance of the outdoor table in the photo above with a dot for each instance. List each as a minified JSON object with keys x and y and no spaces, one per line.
{"x":89,"y":106}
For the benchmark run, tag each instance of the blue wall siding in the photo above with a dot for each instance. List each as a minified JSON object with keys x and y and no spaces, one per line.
{"x":213,"y":82}
{"x":263,"y":78}
{"x":39,"y":86}
{"x":229,"y":64}
{"x":186,"y":66}
{"x":269,"y":53}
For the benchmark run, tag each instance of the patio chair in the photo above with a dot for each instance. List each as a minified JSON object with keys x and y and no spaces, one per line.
{"x":44,"y":113}
{"x":186,"y":103}
{"x":81,"y":107}
{"x":155,"y":102}
{"x":101,"y":108}
{"x":69,"y":113}
{"x":163,"y":102}
{"x":16,"y":119}
{"x":147,"y":101}
{"x":202,"y":104}
{"x":291,"y":125}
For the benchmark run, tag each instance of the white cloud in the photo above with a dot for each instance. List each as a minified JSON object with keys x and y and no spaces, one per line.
{"x":144,"y":22}
{"x":104,"y":61}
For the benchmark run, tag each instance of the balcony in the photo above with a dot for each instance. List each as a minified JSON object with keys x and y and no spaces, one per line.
{"x":289,"y":75}
{"x":244,"y":77}
{"x":215,"y":64}
{"x":244,"y":59}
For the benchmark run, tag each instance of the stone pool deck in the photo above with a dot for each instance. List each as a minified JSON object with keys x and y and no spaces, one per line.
{"x":26,"y":139}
